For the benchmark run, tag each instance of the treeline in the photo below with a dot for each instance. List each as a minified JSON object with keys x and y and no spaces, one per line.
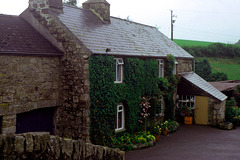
{"x":219,"y":50}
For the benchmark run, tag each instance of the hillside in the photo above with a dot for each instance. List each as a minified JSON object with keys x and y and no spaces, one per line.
{"x":190,"y":43}
{"x":227,"y":65}
{"x":230,"y":66}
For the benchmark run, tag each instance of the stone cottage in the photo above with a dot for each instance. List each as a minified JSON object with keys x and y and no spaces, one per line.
{"x":44,"y":66}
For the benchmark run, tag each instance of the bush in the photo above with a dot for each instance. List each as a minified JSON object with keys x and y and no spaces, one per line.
{"x":214,"y":50}
{"x":218,"y":76}
{"x":236,"y":95}
{"x":204,"y":70}
{"x":126,"y":141}
{"x":232,"y":111}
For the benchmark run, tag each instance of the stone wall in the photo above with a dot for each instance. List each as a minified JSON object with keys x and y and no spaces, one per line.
{"x":42,"y":146}
{"x":216,"y":111}
{"x":72,"y":118}
{"x":184,"y":65}
{"x":27,"y":83}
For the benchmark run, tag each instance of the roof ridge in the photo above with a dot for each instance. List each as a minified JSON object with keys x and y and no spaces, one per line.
{"x":133,"y":22}
{"x":67,"y":5}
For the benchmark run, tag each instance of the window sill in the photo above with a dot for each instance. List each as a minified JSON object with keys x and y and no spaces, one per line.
{"x":119,"y":130}
{"x":117,"y":82}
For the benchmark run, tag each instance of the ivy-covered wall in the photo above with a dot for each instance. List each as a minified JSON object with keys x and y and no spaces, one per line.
{"x":140,"y":79}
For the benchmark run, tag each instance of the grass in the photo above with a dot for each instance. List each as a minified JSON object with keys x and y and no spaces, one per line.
{"x":227,"y":65}
{"x":230,"y":66}
{"x":182,"y":43}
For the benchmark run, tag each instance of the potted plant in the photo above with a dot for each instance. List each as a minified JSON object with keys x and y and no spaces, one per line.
{"x":186,"y":112}
{"x":165,"y":128}
{"x":156,"y":131}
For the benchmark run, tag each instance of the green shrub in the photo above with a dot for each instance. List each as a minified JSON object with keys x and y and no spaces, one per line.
{"x":236,"y":95}
{"x":126,"y":141}
{"x":231,"y":110}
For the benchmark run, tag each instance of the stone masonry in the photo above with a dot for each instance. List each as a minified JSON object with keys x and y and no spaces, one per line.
{"x":27,"y":83}
{"x":101,"y":8}
{"x":184,"y":65}
{"x":40,"y":145}
{"x":216,"y":111}
{"x":72,"y":118}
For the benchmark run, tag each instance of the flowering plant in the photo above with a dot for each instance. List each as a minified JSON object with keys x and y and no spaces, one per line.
{"x":144,"y":111}
{"x":126,"y":141}
{"x":186,"y":111}
{"x":165,"y":125}
{"x":157,"y":130}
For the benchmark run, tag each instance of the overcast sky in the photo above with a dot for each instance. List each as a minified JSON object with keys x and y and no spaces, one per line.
{"x":204,"y":20}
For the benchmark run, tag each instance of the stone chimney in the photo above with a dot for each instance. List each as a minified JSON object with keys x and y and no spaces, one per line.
{"x":99,"y":7}
{"x":43,"y":6}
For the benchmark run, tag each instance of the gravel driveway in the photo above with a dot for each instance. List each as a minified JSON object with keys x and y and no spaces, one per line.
{"x":193,"y":142}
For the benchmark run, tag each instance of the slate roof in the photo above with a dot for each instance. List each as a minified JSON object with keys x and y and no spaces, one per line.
{"x":121,"y":36}
{"x":18,"y":37}
{"x":225,"y":85}
{"x":203,"y":85}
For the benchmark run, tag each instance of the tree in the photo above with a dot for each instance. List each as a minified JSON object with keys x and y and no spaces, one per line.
{"x":70,"y":2}
{"x":204,"y":70}
{"x":218,"y":76}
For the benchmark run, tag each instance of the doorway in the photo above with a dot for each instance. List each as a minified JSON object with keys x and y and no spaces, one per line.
{"x":201,"y":111}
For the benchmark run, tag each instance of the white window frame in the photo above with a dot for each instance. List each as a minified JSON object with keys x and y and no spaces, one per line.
{"x":160,"y":68}
{"x":123,"y":118}
{"x":118,"y":62}
{"x":188,"y":100}
{"x":175,"y":67}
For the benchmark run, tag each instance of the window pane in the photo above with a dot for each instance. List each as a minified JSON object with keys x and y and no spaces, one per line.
{"x":115,"y":70}
{"x":119,"y":73}
{"x":120,"y":108}
{"x":120,"y":116}
{"x":160,"y":70}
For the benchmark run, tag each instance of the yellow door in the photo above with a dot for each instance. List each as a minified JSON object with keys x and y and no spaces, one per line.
{"x":201,"y":111}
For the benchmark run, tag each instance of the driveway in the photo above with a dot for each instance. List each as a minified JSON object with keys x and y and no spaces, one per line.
{"x":193,"y":142}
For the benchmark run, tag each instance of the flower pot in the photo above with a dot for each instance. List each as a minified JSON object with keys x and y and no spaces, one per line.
{"x":188,"y":120}
{"x":165,"y":132}
{"x":157,"y":136}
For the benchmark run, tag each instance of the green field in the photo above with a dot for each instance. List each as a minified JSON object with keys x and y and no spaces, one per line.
{"x":229,"y":66}
{"x":182,"y":42}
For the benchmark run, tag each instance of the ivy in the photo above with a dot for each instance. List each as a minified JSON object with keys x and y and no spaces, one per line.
{"x":140,"y":79}
{"x":172,"y":87}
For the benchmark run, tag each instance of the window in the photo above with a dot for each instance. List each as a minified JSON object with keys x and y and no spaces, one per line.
{"x":120,"y":117}
{"x":119,"y":70}
{"x":175,"y":67}
{"x":186,"y":100}
{"x":160,"y":68}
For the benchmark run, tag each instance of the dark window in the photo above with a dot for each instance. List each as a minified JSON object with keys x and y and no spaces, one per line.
{"x":40,"y":120}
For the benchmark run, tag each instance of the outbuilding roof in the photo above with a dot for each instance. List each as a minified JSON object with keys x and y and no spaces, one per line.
{"x":225,"y":85}
{"x":18,"y":37}
{"x":120,"y":37}
{"x":202,"y":86}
